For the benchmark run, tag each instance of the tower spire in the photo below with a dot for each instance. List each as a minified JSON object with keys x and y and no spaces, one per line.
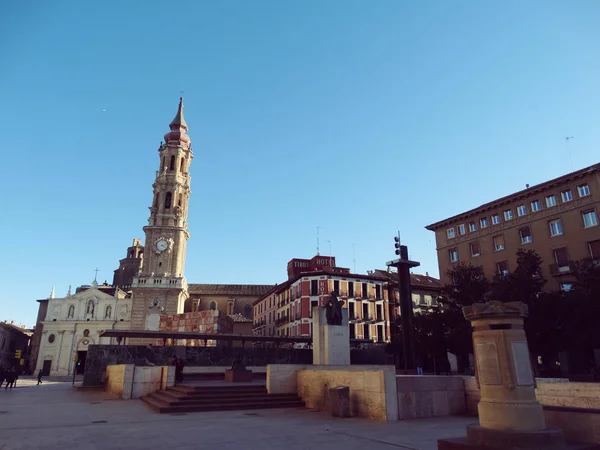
{"x":179,"y":121}
{"x":178,"y":128}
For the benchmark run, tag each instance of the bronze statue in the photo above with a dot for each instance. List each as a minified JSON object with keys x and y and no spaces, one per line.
{"x":334,"y":309}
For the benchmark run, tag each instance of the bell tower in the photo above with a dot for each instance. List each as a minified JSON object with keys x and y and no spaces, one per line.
{"x":161,"y":288}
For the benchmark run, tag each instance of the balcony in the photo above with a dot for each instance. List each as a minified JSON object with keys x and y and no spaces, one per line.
{"x":564,"y":268}
{"x":282,"y":320}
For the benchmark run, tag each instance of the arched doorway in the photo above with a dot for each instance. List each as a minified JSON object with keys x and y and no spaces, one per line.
{"x":82,"y":348}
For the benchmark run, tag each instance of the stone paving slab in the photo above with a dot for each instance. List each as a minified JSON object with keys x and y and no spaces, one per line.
{"x":53,"y":416}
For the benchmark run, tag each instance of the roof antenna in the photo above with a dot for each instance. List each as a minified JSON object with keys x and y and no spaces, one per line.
{"x":567,"y":139}
{"x":318,"y":240}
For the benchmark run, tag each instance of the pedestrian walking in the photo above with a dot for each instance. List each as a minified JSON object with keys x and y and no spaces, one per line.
{"x":40,"y":377}
{"x":10,"y":379}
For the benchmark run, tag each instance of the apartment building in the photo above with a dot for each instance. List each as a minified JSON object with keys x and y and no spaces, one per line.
{"x":558,"y":219}
{"x":287,"y":309}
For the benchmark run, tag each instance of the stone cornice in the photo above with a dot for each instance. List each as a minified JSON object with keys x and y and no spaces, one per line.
{"x":492,"y":310}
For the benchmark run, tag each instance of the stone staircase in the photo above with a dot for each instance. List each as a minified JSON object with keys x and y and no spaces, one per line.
{"x":184,"y":398}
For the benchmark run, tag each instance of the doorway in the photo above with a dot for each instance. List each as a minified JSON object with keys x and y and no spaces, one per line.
{"x":80,"y":368}
{"x":46,"y":367}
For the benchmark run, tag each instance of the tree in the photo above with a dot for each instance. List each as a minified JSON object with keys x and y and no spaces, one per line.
{"x":430,"y":340}
{"x":469,"y":285}
{"x":587,"y":278}
{"x":524,"y":284}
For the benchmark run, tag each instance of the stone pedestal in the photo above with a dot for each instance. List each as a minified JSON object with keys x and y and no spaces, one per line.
{"x":331,"y":343}
{"x":339,"y":398}
{"x":238,"y":375}
{"x":510,"y":416}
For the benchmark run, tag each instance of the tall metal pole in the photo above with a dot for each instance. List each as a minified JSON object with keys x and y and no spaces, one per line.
{"x":406,"y":310}
{"x":403,"y":264}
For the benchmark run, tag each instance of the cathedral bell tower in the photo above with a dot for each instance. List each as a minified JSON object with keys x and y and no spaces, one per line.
{"x":161,"y":288}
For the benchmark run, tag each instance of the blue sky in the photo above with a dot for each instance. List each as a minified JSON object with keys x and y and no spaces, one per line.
{"x":359,"y":117}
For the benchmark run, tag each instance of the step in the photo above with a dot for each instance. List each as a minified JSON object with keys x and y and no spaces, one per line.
{"x":153,"y":403}
{"x":223,"y":407}
{"x":190,"y":389}
{"x":209,"y":401}
{"x":225,"y":394}
{"x":220,"y":386}
{"x":219,"y":376}
{"x":203,"y":397}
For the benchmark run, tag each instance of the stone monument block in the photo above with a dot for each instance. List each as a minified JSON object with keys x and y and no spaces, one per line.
{"x":331,"y":343}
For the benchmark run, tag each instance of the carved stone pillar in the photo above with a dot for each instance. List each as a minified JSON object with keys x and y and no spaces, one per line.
{"x":504,"y":372}
{"x":510,"y":417}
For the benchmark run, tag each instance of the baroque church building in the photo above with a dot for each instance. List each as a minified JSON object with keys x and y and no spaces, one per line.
{"x":73,"y":323}
{"x":150,"y":280}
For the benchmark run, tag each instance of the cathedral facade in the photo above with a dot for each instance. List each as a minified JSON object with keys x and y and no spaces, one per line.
{"x":150,"y":281}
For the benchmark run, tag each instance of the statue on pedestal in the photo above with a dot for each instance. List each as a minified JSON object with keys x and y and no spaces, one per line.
{"x":334,"y":309}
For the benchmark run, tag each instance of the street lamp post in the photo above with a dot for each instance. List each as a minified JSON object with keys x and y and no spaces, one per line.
{"x":403,"y":264}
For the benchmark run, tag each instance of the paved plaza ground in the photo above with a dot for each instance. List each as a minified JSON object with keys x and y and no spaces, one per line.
{"x":53,"y":416}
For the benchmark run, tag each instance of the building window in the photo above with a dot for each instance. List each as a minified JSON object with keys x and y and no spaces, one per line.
{"x":213,"y":306}
{"x":483,"y":222}
{"x":314,"y":287}
{"x":108,"y":312}
{"x":550,"y":201}
{"x":502,"y":268}
{"x":461,"y":229}
{"x":51,"y":338}
{"x":498,"y":243}
{"x":535,"y":206}
{"x":508,"y":214}
{"x":555,"y":227}
{"x":168,"y":199}
{"x":472,"y":227}
{"x":566,"y":287}
{"x":525,"y":234}
{"x":495,"y":219}
{"x":589,"y":219}
{"x":450,"y":233}
{"x":474,"y":246}
{"x":350,"y":289}
{"x":566,"y":196}
{"x":182,"y":165}
{"x":453,"y":255}
{"x":71,"y":313}
{"x":594,"y":248}
{"x":248,"y":311}
{"x":172,"y":163}
{"x":561,"y":258}
{"x":583,"y":190}
{"x":521,"y":210}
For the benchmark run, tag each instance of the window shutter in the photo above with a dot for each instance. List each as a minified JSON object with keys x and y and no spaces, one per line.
{"x":595,"y":249}
{"x":525,"y":232}
{"x":561,"y":257}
